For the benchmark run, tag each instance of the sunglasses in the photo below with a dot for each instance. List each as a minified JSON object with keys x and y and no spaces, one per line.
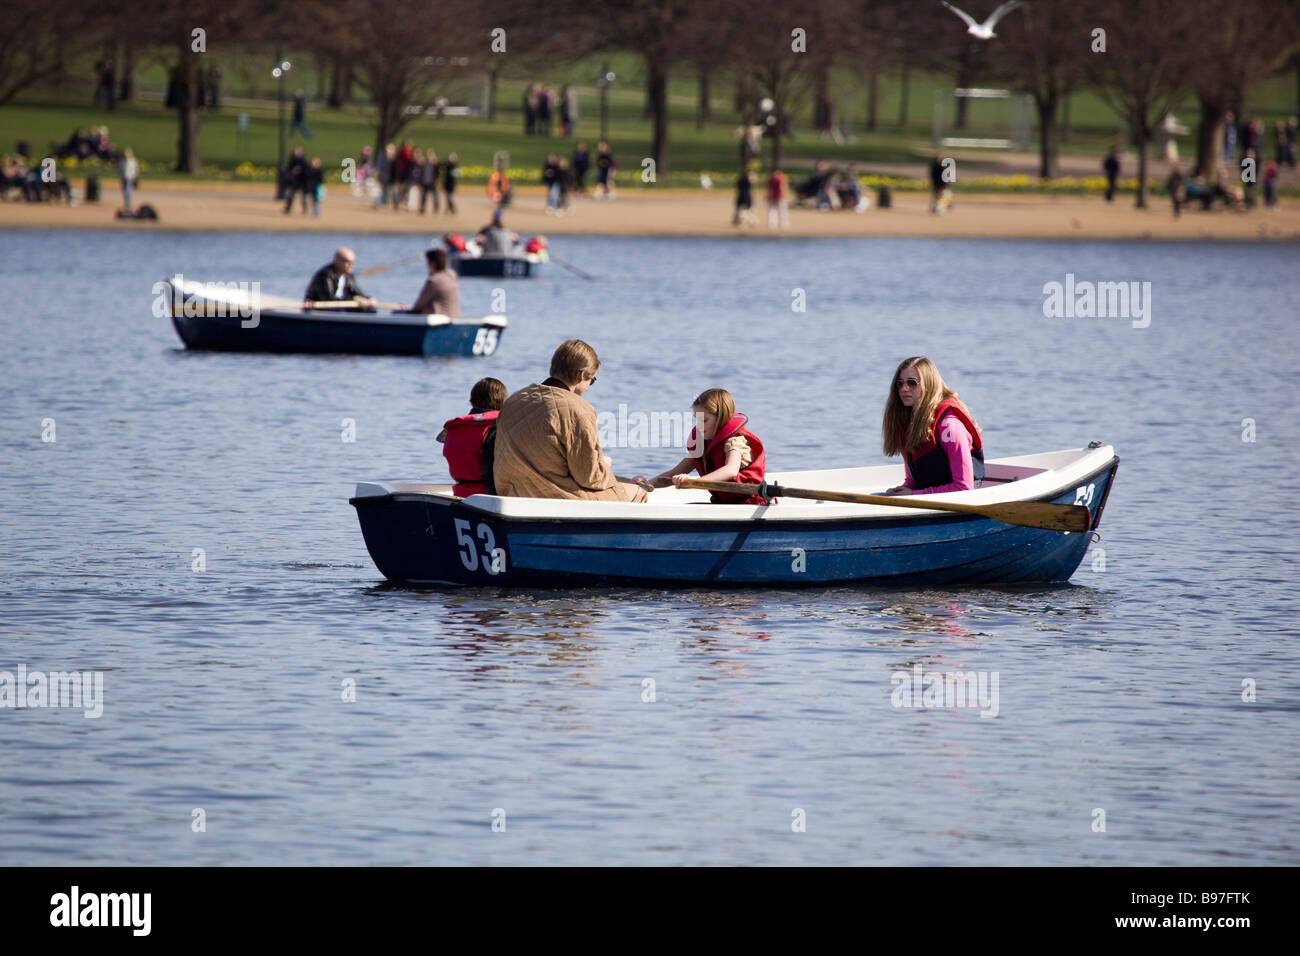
{"x":909,"y":382}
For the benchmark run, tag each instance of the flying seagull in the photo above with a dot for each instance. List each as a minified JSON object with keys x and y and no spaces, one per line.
{"x":983,"y":31}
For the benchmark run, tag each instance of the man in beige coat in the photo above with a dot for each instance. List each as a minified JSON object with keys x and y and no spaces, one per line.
{"x":547,"y":442}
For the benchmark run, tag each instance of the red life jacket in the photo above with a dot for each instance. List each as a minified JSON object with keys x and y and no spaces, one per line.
{"x":457,"y":242}
{"x":715,"y":456}
{"x":929,"y":463}
{"x":463,"y":449}
{"x":534,"y":245}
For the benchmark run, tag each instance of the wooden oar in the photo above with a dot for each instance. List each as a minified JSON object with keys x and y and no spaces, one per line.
{"x":375,"y":270}
{"x":1029,"y":514}
{"x":572,"y":268}
{"x":353,"y":304}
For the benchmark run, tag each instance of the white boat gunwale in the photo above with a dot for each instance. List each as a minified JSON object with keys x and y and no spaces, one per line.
{"x":1037,"y":477}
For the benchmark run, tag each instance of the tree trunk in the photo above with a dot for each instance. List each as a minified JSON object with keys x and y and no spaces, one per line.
{"x":492,"y":96}
{"x":126,"y":91}
{"x":902,"y":100}
{"x":1141,"y":138}
{"x":873,"y":97}
{"x":1046,"y":108}
{"x":822,"y":109}
{"x":335,"y":98}
{"x":703,"y":112}
{"x":1064,"y":128}
{"x":1209,"y":136}
{"x":187,"y":152}
{"x":321,"y":62}
{"x":657,"y":86}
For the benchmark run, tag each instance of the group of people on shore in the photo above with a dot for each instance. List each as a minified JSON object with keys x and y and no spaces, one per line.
{"x":1241,"y":139}
{"x":543,"y":441}
{"x":394,"y":174}
{"x":45,"y":180}
{"x":778,"y":199}
{"x":541,"y":104}
{"x":827,"y":188}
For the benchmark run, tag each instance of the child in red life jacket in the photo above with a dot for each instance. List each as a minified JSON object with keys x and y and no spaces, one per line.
{"x":925,"y":422}
{"x":462,"y":437}
{"x":720,"y":448}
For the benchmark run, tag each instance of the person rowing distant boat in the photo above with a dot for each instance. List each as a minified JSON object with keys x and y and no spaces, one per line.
{"x":927,"y":423}
{"x":441,"y":292}
{"x":335,"y":282}
{"x":496,"y":239}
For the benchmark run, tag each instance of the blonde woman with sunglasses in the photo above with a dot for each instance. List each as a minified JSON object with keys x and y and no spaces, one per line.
{"x":927,"y":423}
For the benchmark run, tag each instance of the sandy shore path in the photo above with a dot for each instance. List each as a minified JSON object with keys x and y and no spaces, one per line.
{"x":682,"y":212}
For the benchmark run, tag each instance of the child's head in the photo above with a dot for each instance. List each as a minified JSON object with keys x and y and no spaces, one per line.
{"x":713,"y":408}
{"x":488,"y":393}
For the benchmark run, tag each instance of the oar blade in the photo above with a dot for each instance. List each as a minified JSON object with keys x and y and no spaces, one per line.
{"x":1041,"y":514}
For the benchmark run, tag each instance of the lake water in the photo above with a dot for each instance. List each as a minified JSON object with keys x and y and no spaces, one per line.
{"x":223,"y":687}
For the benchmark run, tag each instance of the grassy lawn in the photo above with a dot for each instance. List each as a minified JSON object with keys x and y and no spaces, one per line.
{"x":48,"y":116}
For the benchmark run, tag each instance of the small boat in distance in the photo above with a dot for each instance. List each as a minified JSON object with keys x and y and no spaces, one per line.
{"x":420,"y":533}
{"x":235,"y":318}
{"x":503,"y":266}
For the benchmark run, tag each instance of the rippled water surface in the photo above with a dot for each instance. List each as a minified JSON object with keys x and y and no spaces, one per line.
{"x":1121,"y":692}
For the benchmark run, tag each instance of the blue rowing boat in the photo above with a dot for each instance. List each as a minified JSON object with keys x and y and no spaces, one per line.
{"x":420,"y":533}
{"x":237,"y":319}
{"x":499,"y":266}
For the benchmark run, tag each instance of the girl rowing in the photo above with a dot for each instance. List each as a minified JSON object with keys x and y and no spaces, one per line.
{"x":933,"y":430}
{"x":720,"y":448}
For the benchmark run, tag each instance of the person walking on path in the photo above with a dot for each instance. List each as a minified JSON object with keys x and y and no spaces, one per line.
{"x":128,"y":171}
{"x":1111,"y":165}
{"x":605,"y":166}
{"x":295,"y":178}
{"x":450,"y":173}
{"x":778,"y":200}
{"x":530,"y":110}
{"x":300,"y":115}
{"x":429,"y":180}
{"x":568,"y":110}
{"x":744,"y":214}
{"x":581,"y":163}
{"x":1176,"y":188}
{"x":313,"y":185}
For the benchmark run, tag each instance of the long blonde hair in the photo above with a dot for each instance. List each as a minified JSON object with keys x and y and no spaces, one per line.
{"x":907,"y":429}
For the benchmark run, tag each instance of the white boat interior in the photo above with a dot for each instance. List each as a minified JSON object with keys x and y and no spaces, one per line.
{"x":1022,"y":478}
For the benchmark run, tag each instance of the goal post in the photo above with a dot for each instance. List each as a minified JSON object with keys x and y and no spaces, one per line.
{"x":1018,"y":121}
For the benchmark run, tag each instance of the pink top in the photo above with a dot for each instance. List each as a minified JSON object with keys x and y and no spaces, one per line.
{"x":955,"y":440}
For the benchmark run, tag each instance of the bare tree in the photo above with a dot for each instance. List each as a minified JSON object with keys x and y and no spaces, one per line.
{"x":32,"y":44}
{"x":1144,"y":69}
{"x":774,"y":54}
{"x":1043,"y":49}
{"x":1244,"y":42}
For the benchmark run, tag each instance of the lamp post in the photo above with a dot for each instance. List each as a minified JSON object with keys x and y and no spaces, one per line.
{"x":278,"y":71}
{"x":606,"y":80}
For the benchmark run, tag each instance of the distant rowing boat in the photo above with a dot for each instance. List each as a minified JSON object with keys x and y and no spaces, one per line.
{"x":420,"y":533}
{"x":209,"y":316}
{"x":505,"y":266}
